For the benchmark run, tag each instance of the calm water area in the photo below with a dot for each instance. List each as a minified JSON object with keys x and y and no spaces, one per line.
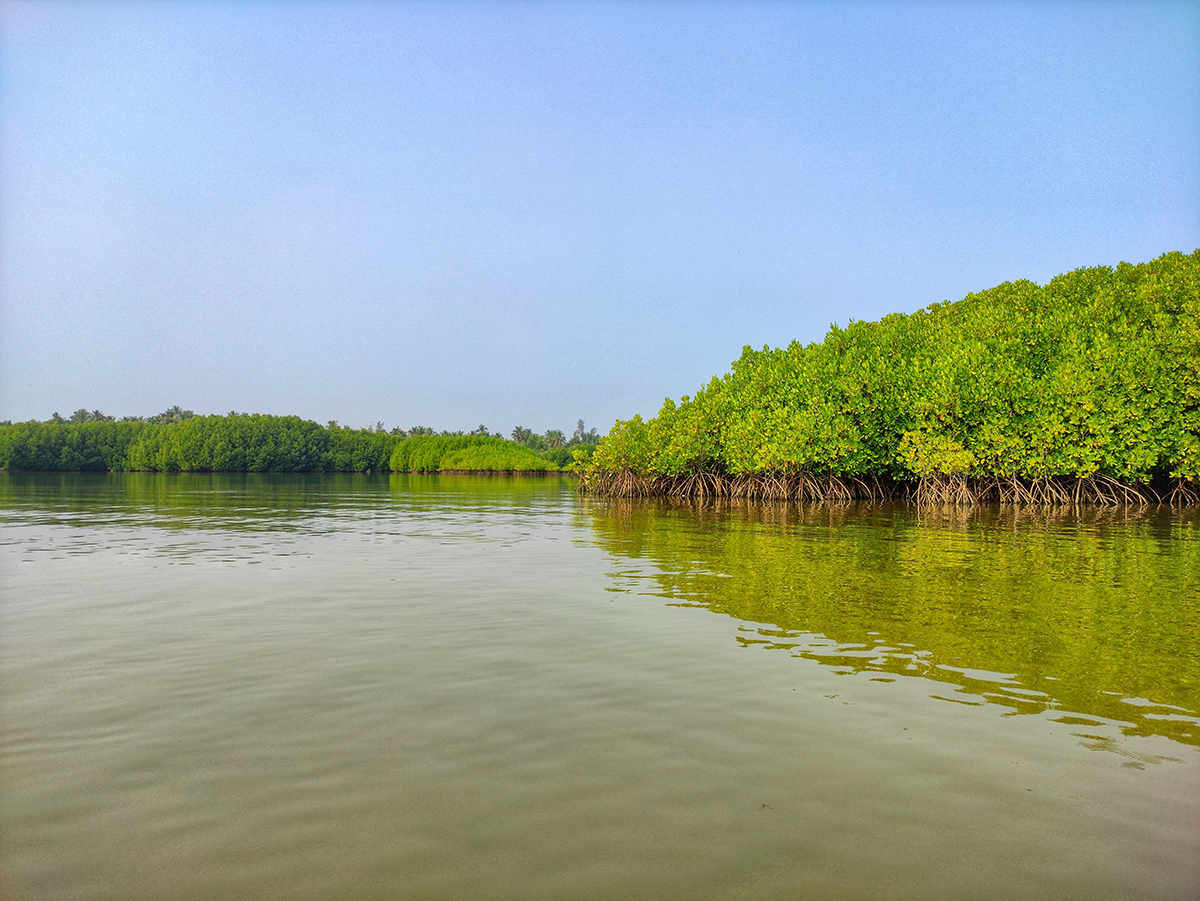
{"x":469,"y":687}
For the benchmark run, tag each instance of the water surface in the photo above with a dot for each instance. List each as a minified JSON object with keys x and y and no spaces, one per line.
{"x":312,"y":687}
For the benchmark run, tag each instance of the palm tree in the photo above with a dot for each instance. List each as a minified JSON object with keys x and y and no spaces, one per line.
{"x":584,"y":437}
{"x":174,"y":414}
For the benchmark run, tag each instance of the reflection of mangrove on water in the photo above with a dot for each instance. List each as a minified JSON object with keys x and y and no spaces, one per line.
{"x":1089,"y":613}
{"x":253,"y":501}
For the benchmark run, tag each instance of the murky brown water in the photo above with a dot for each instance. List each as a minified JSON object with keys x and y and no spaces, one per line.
{"x":346,"y":687}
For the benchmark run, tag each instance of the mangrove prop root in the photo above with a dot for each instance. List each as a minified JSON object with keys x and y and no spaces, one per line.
{"x":937,"y":490}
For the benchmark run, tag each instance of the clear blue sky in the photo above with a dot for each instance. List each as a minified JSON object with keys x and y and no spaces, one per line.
{"x":527,"y":213}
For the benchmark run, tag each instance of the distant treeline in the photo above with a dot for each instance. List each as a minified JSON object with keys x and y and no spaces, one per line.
{"x":180,"y":441}
{"x":1085,"y":389}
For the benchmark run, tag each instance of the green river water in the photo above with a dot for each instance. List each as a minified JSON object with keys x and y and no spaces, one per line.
{"x":459,"y":687}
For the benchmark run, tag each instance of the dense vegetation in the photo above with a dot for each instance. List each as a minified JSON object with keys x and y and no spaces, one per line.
{"x":1085,"y":389}
{"x":469,"y":453}
{"x":180,"y":441}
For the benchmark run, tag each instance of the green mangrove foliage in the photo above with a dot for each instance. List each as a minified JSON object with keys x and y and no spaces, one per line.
{"x":181,"y":441}
{"x":83,"y":446}
{"x":1085,"y":389}
{"x":235,"y":443}
{"x":466,"y":453}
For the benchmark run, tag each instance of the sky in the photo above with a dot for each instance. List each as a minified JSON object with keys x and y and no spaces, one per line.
{"x":527,"y":213}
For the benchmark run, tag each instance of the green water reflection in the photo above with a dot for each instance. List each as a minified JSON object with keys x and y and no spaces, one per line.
{"x":259,"y":501}
{"x":1085,"y":618}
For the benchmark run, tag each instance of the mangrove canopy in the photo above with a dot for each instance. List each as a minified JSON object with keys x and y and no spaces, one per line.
{"x":1084,"y":389}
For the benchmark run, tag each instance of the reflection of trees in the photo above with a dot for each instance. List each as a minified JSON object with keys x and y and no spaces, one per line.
{"x":259,"y":501}
{"x":1087,"y":609}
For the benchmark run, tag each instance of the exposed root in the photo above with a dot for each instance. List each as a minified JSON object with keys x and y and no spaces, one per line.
{"x":1096,"y":489}
{"x":932,"y":491}
{"x":1184,"y":493}
{"x":794,"y":486}
{"x":700,"y":485}
{"x":624,"y":483}
{"x":945,"y":490}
